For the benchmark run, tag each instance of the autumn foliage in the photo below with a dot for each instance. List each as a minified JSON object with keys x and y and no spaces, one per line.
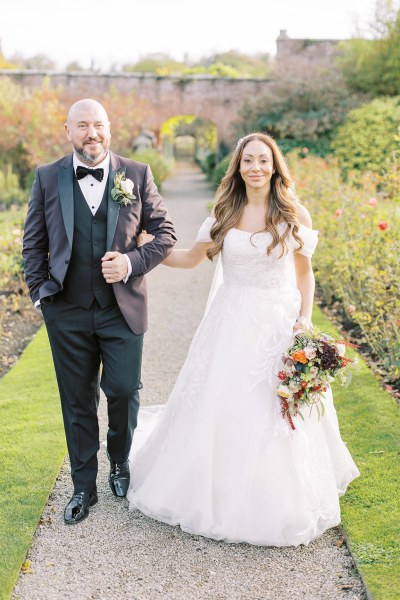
{"x":32,"y":123}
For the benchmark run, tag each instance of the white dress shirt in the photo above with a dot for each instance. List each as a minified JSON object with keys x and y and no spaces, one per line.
{"x":92,"y":189}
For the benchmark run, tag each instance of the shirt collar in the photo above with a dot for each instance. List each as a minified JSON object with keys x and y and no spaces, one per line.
{"x":105,"y":164}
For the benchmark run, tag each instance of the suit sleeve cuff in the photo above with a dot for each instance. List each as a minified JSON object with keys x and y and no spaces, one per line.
{"x":129,"y":265}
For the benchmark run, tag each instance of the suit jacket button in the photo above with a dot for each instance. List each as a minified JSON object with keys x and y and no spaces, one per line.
{"x":67,"y":261}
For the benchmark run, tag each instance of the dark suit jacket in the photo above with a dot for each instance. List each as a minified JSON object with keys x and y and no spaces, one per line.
{"x":48,"y":235}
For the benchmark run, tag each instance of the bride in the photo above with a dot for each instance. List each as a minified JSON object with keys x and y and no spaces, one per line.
{"x":221,"y":461}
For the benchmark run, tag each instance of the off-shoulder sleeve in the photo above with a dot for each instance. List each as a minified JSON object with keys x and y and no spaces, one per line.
{"x":310,"y":240}
{"x":204,"y":231}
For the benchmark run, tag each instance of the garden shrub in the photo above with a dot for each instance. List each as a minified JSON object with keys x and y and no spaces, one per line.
{"x":369,"y":139}
{"x":208,"y":164}
{"x":13,"y":291}
{"x":160,"y":167}
{"x":10,"y":191}
{"x":356,"y":262}
{"x":302,"y":108}
{"x":221,"y":169}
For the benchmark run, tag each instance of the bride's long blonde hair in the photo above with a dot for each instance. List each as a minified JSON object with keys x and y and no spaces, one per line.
{"x":231,"y":199}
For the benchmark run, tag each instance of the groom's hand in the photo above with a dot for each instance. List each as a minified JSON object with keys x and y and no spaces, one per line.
{"x":114,"y":267}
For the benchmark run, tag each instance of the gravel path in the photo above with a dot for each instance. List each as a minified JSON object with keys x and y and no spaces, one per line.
{"x":117,"y":555}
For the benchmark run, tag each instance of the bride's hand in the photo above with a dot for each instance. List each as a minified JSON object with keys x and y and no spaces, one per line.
{"x":144,"y":238}
{"x":301,"y":324}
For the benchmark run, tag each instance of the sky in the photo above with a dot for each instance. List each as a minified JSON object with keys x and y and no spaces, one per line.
{"x":104,"y":33}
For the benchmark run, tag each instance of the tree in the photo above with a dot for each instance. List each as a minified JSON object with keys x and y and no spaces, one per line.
{"x":27,"y":139}
{"x":74,"y":66}
{"x":244,"y":64}
{"x":39,"y":61}
{"x":217,"y":69}
{"x":159,"y":64}
{"x":372,"y":66}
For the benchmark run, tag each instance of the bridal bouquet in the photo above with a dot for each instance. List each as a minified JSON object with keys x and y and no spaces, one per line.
{"x":312,"y":362}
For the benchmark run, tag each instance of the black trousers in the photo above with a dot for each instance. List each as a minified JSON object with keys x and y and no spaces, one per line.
{"x":81,"y":341}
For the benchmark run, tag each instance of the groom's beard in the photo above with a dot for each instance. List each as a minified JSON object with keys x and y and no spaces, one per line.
{"x":92,"y":159}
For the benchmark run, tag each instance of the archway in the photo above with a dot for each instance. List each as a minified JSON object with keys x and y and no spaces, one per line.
{"x":188,"y":138}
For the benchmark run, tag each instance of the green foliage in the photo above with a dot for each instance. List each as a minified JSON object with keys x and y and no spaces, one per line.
{"x":245,"y":65}
{"x":372,"y":66}
{"x":178,"y":125}
{"x":204,"y":133}
{"x":369,"y":139}
{"x":230,"y":64}
{"x":356,"y":263}
{"x":10,"y":191}
{"x":32,"y":124}
{"x":208,"y":164}
{"x":320,"y":147}
{"x":32,"y":451}
{"x":160,"y":64}
{"x":221,"y":169}
{"x":217,"y":69}
{"x":301,"y":110}
{"x":160,"y":167}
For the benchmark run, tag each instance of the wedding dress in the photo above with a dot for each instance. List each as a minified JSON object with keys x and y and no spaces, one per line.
{"x":221,"y":462}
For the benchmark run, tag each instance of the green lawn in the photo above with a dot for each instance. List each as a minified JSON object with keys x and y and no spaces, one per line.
{"x":32,"y":449}
{"x":370,"y":425}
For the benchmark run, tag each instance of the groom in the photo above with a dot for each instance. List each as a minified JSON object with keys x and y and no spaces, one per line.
{"x":86,"y":274}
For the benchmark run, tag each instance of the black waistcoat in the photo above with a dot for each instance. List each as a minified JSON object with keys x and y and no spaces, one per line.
{"x":84,"y":281}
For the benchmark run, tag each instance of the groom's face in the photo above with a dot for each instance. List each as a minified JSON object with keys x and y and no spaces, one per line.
{"x":88,"y":129}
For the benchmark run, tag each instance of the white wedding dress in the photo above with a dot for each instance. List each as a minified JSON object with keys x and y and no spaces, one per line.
{"x":221,"y":462}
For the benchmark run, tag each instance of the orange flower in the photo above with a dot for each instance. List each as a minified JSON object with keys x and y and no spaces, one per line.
{"x":299,"y":356}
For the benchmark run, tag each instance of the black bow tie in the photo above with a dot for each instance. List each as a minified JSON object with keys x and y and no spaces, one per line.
{"x":83,"y":171}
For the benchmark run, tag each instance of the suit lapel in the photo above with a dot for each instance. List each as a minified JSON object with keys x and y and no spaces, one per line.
{"x":112,"y":206}
{"x":66,"y":192}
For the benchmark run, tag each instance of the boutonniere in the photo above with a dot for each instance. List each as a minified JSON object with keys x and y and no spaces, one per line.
{"x":122,"y":190}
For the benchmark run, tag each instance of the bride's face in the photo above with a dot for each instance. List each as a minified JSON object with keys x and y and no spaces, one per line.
{"x":257,"y":165}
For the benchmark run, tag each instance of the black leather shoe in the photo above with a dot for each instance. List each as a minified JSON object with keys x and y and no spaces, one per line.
{"x":119,"y":478}
{"x":77,"y":508}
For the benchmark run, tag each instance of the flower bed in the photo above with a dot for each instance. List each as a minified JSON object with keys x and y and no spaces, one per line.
{"x":357,"y":261}
{"x":18,"y":320}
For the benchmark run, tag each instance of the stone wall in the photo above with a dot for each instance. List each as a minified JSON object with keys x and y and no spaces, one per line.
{"x":310,"y":50}
{"x":217,"y":100}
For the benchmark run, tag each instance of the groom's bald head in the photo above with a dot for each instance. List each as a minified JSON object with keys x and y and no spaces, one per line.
{"x":87,"y":106}
{"x":88,"y":129}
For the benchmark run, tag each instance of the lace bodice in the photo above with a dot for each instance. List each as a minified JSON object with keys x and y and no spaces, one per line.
{"x":246,"y":262}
